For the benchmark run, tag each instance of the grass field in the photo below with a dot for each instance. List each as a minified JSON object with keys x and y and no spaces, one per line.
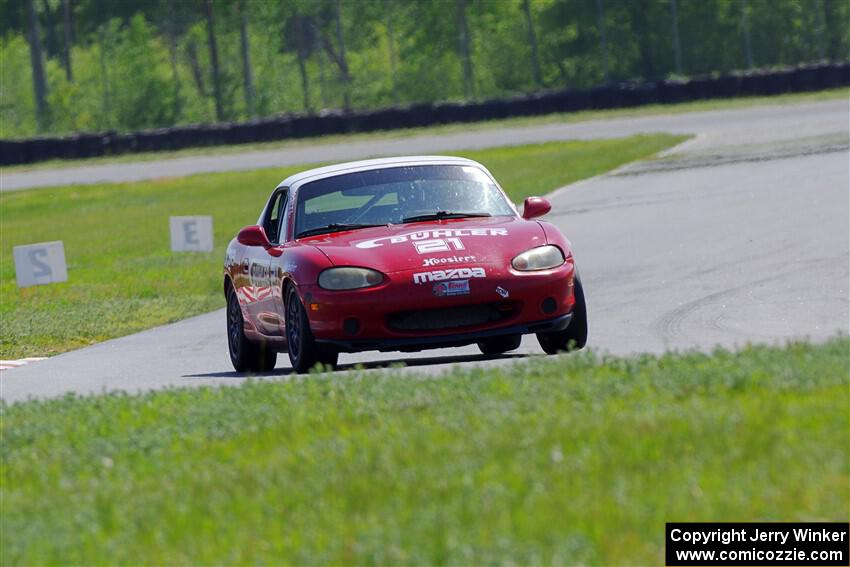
{"x":122,"y":275}
{"x":565,"y":117}
{"x":564,"y":460}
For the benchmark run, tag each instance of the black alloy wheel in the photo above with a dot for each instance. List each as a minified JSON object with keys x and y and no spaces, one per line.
{"x":304,"y":352}
{"x":574,"y":337}
{"x":245,"y":354}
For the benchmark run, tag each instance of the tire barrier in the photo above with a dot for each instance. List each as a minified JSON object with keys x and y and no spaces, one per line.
{"x":291,"y":126}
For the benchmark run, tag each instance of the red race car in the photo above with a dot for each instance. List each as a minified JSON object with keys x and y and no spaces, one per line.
{"x":398,"y":254}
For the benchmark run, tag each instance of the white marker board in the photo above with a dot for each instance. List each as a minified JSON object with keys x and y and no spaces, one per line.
{"x":40,"y":264}
{"x":191,"y":234}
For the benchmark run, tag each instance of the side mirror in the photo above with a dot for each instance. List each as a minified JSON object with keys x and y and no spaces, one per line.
{"x":253,"y":235}
{"x":535,"y":207}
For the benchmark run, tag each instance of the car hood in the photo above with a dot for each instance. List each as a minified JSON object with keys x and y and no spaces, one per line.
{"x":393,"y":248}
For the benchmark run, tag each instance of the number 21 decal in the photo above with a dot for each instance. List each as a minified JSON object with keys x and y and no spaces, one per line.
{"x":438,"y":245}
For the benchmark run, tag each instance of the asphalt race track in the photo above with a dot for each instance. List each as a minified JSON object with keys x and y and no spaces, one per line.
{"x":740,"y":235}
{"x":756,"y":125}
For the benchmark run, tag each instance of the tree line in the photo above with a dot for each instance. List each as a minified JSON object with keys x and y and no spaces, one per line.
{"x":92,"y":65}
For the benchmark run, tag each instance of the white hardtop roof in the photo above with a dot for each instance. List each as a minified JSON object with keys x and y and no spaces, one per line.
{"x":368,"y":164}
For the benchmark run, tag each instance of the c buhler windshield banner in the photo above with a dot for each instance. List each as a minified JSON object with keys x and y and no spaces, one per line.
{"x":806,"y":543}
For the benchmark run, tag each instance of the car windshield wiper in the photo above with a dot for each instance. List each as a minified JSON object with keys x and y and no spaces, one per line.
{"x":334,"y":227}
{"x":437,"y":215}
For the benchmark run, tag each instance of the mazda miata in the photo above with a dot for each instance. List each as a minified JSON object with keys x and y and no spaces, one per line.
{"x":397,"y":254}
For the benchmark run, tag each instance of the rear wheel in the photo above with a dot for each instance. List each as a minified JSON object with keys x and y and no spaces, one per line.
{"x":245,"y":355}
{"x":574,"y":337}
{"x":304,"y":352}
{"x":499,"y":345}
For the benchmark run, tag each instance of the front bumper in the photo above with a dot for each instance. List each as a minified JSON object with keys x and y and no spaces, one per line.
{"x":414,"y":344}
{"x":378,"y":318}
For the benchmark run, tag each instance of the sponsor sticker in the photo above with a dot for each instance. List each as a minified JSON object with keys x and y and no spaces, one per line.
{"x":449,"y":274}
{"x":428,"y":262}
{"x":447,"y":289}
{"x":438,"y":240}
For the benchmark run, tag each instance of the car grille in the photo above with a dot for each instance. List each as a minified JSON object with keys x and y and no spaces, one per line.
{"x":450,"y":317}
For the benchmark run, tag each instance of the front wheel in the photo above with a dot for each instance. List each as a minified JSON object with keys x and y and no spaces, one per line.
{"x":245,"y":355}
{"x":574,"y":337}
{"x":304,"y":352}
{"x":499,"y":345}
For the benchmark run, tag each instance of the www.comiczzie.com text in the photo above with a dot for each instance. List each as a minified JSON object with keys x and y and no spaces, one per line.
{"x":758,"y":544}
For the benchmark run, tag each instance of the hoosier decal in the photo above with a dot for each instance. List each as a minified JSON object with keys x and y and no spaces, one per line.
{"x":450,"y":274}
{"x":428,"y":262}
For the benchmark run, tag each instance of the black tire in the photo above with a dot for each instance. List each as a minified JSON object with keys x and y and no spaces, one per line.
{"x":245,"y":354}
{"x":304,"y":352}
{"x":499,"y":345}
{"x":573,"y":337}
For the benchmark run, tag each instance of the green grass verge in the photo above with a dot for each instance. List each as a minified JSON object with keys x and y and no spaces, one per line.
{"x":124,"y":278}
{"x":569,"y":460}
{"x":563,"y":117}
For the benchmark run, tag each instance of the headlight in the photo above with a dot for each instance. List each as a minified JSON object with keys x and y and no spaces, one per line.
{"x":349,"y":278}
{"x":540,"y":258}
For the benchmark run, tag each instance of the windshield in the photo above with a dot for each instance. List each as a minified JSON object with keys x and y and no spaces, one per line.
{"x":397,"y":195}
